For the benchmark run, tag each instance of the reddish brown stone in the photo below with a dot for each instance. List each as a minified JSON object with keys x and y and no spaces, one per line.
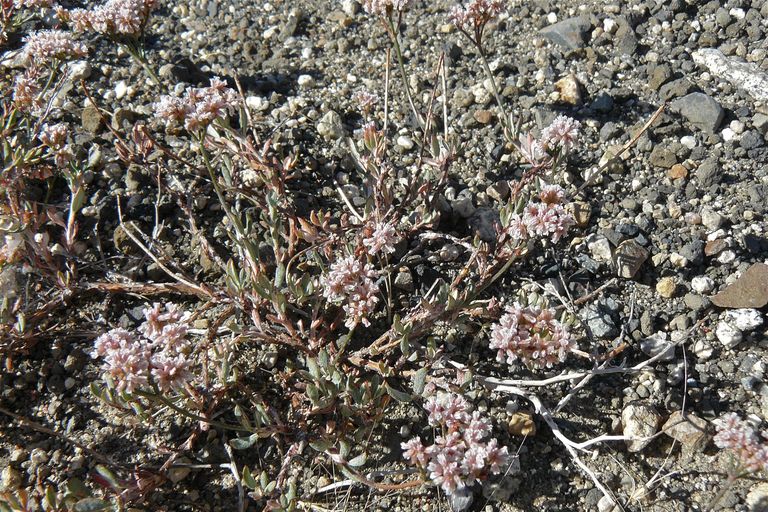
{"x":748,"y":291}
{"x":714,"y":247}
{"x":677,"y":171}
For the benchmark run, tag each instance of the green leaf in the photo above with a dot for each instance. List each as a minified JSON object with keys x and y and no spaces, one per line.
{"x":397,"y":394}
{"x":248,"y":479}
{"x":322,"y":358}
{"x":320,"y":445}
{"x":405,"y":346}
{"x":358,"y":461}
{"x":314,"y":370}
{"x":243,"y":443}
{"x":91,"y":505}
{"x":419,"y":380}
{"x":108,"y":476}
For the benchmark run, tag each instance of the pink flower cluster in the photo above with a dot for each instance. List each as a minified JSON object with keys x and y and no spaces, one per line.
{"x":45,"y":47}
{"x":547,"y":219}
{"x":383,"y":7}
{"x":383,"y":239}
{"x":562,"y":133}
{"x":55,"y":137}
{"x":367,"y":100}
{"x":352,"y":281}
{"x":530,"y":335}
{"x":737,"y":435}
{"x":200,"y":106}
{"x":461,"y":456}
{"x":116,"y":18}
{"x":160,"y":354}
{"x":475,"y":15}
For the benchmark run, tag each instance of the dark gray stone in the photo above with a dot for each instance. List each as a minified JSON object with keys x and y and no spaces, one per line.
{"x":709,"y":173}
{"x":694,"y":252}
{"x":700,"y":110}
{"x":569,"y":33}
{"x":751,"y":139}
{"x":662,"y":157}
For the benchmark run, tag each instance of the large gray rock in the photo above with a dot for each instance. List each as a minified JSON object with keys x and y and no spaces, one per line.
{"x":569,"y":33}
{"x":700,"y":110}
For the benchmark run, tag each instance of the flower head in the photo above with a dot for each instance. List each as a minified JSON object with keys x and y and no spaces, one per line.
{"x":461,"y":456}
{"x":115,"y":18}
{"x":382,"y":239}
{"x":199,"y":107}
{"x":384,"y":7}
{"x":126,"y":359}
{"x":352,"y":281}
{"x":476,"y":14}
{"x":737,"y":435}
{"x":530,"y":335}
{"x":43,"y":47}
{"x":562,"y":133}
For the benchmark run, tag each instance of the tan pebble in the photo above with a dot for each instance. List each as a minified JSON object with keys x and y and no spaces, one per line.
{"x":666,"y":287}
{"x":522,"y":424}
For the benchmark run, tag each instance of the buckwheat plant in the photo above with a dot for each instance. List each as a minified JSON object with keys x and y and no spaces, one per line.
{"x":462,"y":453}
{"x":37,"y":221}
{"x":747,"y":449}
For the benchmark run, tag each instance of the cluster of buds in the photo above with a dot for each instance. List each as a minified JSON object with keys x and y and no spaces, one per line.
{"x":385,"y":7}
{"x":749,"y":447}
{"x":382,"y":240}
{"x":474,"y":17}
{"x":530,"y":335}
{"x":54,"y":137}
{"x":351,"y":281}
{"x":462,"y":455}
{"x":158,"y":355}
{"x":116,"y":18}
{"x":367,"y":101}
{"x":199,"y":107}
{"x":546,"y":219}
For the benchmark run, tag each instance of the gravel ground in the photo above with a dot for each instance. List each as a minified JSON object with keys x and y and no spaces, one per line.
{"x":670,"y":224}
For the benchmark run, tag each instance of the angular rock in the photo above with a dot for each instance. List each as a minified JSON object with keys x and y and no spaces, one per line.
{"x":569,"y":33}
{"x":657,"y":344}
{"x":700,"y":110}
{"x":709,"y":173}
{"x":750,"y":290}
{"x":746,"y":319}
{"x":330,"y":126}
{"x":630,"y":256}
{"x":687,"y":429}
{"x":640,"y":423}
{"x":728,"y":335}
{"x":743,"y":75}
{"x":570,"y":90}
